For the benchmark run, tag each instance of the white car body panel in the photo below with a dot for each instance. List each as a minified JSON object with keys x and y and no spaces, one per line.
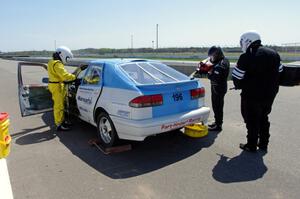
{"x":139,"y":129}
{"x":116,"y":102}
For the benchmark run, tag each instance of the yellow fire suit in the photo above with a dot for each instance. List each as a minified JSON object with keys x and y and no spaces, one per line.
{"x":57,"y":75}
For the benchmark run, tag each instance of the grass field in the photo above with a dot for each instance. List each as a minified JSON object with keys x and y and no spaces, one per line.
{"x":173,"y":56}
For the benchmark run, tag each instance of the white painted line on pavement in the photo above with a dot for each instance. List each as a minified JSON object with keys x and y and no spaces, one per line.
{"x":5,"y":186}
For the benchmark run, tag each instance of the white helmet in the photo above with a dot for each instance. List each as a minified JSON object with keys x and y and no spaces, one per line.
{"x":64,"y":53}
{"x":248,"y":38}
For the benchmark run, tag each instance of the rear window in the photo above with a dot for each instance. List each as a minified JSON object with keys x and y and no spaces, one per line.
{"x":153,"y":73}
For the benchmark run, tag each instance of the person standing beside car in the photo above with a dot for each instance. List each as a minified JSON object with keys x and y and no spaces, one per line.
{"x":217,"y":68}
{"x":257,"y":74}
{"x":57,"y":76}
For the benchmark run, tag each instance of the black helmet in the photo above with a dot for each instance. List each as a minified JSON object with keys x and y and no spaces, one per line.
{"x":215,"y":54}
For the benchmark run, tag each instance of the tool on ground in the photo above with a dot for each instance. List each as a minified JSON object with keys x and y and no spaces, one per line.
{"x":109,"y":150}
{"x":5,"y":138}
{"x":197,"y":130}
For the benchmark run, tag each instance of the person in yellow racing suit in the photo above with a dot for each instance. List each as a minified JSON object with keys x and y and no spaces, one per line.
{"x":57,"y":76}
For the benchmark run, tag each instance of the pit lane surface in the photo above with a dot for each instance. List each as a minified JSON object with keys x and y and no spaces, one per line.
{"x":46,"y":164}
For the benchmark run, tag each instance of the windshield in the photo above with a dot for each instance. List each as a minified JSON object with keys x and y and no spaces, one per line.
{"x":153,"y":73}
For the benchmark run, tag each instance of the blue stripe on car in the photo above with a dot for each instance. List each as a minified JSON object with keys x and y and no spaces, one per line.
{"x":115,"y":78}
{"x":172,"y":107}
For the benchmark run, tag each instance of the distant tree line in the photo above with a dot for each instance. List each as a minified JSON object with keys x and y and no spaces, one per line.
{"x":105,"y":51}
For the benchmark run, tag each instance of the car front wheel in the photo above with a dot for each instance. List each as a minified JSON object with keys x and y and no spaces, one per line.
{"x":106,"y":130}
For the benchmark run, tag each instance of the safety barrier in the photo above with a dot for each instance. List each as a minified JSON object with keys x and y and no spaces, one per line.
{"x":5,"y":139}
{"x":186,"y":67}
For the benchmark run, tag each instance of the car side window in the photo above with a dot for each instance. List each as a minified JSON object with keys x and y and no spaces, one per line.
{"x":93,"y":76}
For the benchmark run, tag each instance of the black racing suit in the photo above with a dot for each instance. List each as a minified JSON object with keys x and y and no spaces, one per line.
{"x":218,"y":80}
{"x":257,"y":74}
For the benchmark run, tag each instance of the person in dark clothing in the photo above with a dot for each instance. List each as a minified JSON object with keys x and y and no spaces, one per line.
{"x":257,"y":74}
{"x":217,"y":67}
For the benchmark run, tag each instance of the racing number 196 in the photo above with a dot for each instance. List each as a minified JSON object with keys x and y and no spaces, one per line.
{"x":177,"y":97}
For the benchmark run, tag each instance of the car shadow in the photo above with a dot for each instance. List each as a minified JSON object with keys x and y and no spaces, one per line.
{"x":152,"y":154}
{"x":244,"y":167}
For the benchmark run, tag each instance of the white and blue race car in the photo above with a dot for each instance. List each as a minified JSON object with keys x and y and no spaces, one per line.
{"x":124,"y":99}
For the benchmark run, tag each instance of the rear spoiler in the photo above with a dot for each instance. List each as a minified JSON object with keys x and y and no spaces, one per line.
{"x":175,"y":86}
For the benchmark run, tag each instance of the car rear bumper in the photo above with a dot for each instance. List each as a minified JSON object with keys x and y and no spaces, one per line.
{"x":140,"y":129}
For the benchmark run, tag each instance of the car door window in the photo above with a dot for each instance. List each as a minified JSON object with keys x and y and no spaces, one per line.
{"x":93,"y":76}
{"x":34,"y":96}
{"x":81,"y":74}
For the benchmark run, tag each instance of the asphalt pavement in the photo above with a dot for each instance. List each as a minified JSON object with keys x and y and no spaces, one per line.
{"x":46,"y":164}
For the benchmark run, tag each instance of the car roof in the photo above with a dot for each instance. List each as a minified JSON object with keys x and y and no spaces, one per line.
{"x":116,"y":79}
{"x":120,"y":61}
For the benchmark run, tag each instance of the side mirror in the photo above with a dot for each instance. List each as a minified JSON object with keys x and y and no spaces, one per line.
{"x":45,"y":80}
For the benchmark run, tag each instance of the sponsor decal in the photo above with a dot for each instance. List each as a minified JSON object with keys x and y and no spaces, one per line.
{"x":123,"y":113}
{"x":85,"y":100}
{"x":180,"y":124}
{"x":83,"y":109}
{"x":87,"y":89}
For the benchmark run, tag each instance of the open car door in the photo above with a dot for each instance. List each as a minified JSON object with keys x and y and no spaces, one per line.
{"x":34,"y":96}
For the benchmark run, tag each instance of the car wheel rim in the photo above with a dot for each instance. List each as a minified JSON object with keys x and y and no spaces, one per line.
{"x":105,"y":130}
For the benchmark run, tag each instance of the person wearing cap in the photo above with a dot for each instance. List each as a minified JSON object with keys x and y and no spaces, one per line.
{"x":257,"y":74}
{"x":57,"y":76}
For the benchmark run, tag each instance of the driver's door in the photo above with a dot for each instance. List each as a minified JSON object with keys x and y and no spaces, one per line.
{"x":89,"y":91}
{"x":34,"y":96}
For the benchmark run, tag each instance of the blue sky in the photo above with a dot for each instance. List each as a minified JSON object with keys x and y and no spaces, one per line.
{"x":36,"y":24}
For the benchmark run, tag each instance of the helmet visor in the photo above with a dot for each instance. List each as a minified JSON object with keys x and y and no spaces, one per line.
{"x":241,"y":42}
{"x":68,"y":59}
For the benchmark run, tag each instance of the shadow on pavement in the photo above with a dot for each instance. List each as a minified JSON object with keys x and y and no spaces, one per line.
{"x":154,"y":153}
{"x":41,"y":133}
{"x":244,"y":167}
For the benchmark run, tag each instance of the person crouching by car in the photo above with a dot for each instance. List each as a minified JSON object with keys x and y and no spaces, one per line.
{"x":217,"y":68}
{"x":57,"y":76}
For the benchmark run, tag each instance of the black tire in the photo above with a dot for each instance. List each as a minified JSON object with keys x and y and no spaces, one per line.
{"x":106,"y":131}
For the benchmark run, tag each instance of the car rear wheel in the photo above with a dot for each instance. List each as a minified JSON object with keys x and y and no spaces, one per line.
{"x":106,"y":130}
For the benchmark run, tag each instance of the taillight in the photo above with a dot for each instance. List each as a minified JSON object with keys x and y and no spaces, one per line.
{"x":146,"y":101}
{"x":197,"y":93}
